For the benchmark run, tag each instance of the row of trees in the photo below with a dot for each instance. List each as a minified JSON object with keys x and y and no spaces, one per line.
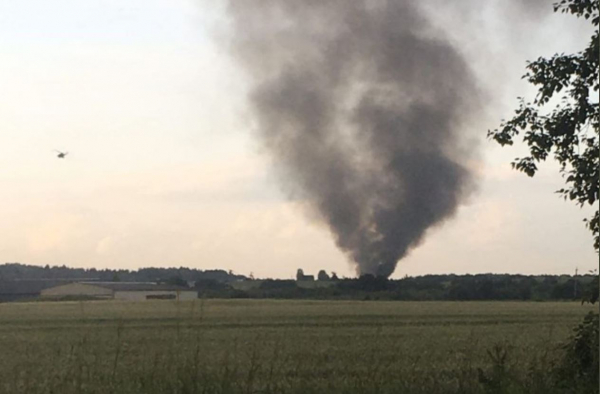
{"x":16,"y":271}
{"x":424,"y":288}
{"x":224,"y":284}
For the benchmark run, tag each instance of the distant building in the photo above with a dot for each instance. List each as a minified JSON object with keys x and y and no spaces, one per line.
{"x":301,"y":277}
{"x":130,"y":291}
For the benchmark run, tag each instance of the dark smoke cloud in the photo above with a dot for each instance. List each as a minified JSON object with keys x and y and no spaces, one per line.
{"x":361,"y":105}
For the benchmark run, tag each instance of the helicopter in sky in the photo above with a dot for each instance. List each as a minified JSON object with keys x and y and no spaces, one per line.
{"x":61,"y":155}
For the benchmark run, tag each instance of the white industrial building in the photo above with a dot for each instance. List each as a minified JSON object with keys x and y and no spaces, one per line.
{"x":131,"y":291}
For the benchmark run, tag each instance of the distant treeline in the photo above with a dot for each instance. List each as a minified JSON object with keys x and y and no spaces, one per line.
{"x":17,"y":271}
{"x":226,"y":284}
{"x":423,"y":288}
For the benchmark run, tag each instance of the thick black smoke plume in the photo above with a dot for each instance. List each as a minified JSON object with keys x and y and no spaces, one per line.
{"x":361,"y":105}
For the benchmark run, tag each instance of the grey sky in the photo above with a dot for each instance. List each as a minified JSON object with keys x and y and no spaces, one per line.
{"x":163,"y":169}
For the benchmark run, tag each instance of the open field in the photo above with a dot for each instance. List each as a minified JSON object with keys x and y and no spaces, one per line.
{"x":269,"y":346}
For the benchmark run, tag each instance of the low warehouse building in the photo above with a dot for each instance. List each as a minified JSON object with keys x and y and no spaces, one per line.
{"x":131,"y":291}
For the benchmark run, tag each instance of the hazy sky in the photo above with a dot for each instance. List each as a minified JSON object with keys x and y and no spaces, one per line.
{"x":163,"y":169}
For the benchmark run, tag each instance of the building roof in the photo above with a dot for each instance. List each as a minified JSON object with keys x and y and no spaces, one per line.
{"x":137,"y":286}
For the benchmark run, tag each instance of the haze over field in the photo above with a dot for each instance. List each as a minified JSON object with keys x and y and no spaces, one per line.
{"x":164,"y":167}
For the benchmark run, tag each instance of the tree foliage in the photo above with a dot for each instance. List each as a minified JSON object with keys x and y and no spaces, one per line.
{"x":323,"y":276}
{"x":16,"y":271}
{"x":578,"y":371}
{"x":569,"y":131}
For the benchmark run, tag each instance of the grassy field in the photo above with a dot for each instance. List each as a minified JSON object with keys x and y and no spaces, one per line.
{"x":270,"y":346}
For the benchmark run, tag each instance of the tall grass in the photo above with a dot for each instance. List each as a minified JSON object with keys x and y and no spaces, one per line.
{"x":204,"y":347}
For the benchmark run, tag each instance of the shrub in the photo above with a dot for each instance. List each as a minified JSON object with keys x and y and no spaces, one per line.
{"x":578,"y":370}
